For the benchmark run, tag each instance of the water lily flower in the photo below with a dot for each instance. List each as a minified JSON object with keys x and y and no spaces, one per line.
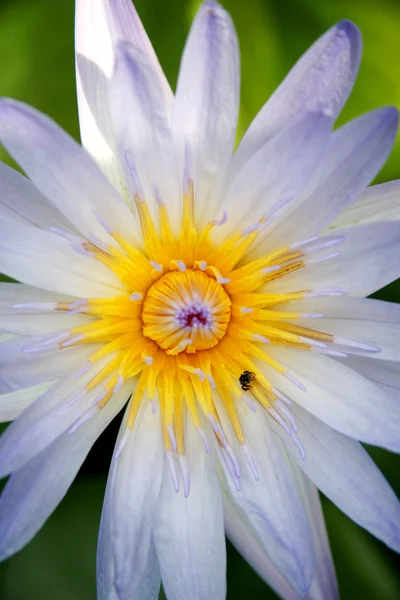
{"x":219,"y":295}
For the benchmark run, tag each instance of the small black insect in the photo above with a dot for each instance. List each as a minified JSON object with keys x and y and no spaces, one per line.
{"x":245,"y":379}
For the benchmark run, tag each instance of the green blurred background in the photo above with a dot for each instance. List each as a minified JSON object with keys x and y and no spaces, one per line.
{"x":37,"y":66}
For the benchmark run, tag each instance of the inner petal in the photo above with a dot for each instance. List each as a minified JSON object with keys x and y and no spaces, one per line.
{"x":186,"y":311}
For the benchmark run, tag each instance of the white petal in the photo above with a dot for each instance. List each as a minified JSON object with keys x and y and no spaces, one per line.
{"x":40,"y":325}
{"x":19,"y":369}
{"x":342,"y":398}
{"x":377,"y":203}
{"x":372,"y":322}
{"x":189,"y":532}
{"x":47,"y":418}
{"x":99,"y":26}
{"x":13,"y":403}
{"x":206,"y":106}
{"x":356,"y":154}
{"x":63,"y":172}
{"x":131,"y":496}
{"x":5,"y":337}
{"x":142,"y":134}
{"x":19,"y":293}
{"x":324,"y":585}
{"x":348,"y":308}
{"x":345,"y":473}
{"x":384,"y":373}
{"x":21,"y":201}
{"x":384,"y":336}
{"x":32,"y":493}
{"x":244,"y":538}
{"x":247,"y":541}
{"x":106,"y":590}
{"x":45,"y":259}
{"x":277,"y":172}
{"x":324,"y":75}
{"x":368,"y":261}
{"x":104,"y":564}
{"x":272,"y":505}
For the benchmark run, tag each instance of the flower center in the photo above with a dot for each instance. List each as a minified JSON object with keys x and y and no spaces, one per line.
{"x":186,"y":311}
{"x":192,"y":327}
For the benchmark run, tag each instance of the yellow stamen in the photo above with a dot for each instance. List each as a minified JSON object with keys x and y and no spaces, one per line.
{"x":194,"y":319}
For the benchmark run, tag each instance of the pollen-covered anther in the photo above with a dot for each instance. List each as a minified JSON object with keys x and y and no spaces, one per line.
{"x":186,"y":311}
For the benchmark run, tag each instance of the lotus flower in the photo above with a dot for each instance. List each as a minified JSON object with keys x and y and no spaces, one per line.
{"x":219,"y":295}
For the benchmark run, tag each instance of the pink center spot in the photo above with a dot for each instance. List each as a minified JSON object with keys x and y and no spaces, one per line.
{"x":194,"y":315}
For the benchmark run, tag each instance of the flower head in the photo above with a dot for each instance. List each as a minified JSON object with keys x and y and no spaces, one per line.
{"x":210,"y":291}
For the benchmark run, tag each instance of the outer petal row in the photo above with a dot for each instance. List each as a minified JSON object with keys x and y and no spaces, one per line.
{"x":21,"y":201}
{"x":142,"y":511}
{"x":276,"y":173}
{"x":323,"y":76}
{"x":277,"y":522}
{"x":189,"y":532}
{"x":273,"y":506}
{"x":63,"y":172}
{"x":386,"y":374}
{"x":20,"y":369}
{"x":372,"y":322}
{"x":44,"y":259}
{"x":341,"y":397}
{"x":51,"y":415}
{"x":34,"y":491}
{"x":206,"y":106}
{"x":245,"y":539}
{"x":12,"y":404}
{"x":126,"y":556}
{"x":376,"y":203}
{"x":99,"y":26}
{"x":345,"y":473}
{"x":367,"y":261}
{"x":142,"y":134}
{"x":355,"y":154}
